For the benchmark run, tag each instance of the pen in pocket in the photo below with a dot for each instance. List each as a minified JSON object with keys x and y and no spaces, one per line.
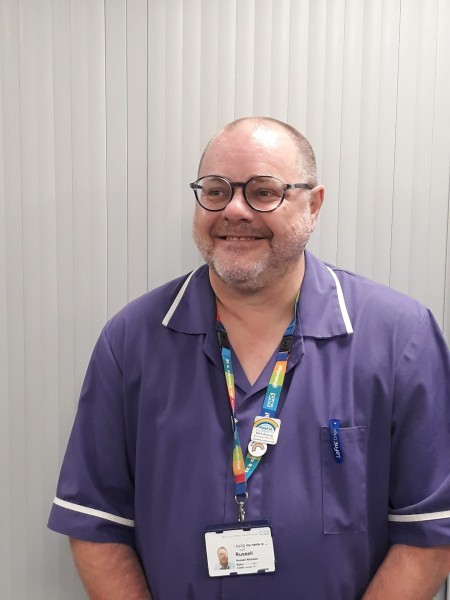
{"x":334,"y":426}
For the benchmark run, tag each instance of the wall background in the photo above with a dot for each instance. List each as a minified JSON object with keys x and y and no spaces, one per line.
{"x":105,"y":106}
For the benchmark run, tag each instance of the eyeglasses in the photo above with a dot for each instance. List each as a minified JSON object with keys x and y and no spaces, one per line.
{"x":262,"y":193}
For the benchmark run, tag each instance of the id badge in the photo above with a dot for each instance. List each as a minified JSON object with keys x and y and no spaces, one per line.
{"x":236,"y":549}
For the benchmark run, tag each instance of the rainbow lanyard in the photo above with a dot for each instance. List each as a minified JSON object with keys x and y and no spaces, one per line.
{"x":266,"y":427}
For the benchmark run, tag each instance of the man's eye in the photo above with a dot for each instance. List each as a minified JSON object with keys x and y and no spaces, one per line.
{"x":266,"y":193}
{"x":216,"y":192}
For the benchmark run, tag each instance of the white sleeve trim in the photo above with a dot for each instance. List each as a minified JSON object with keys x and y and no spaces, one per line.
{"x":420,"y":517}
{"x":341,"y":300}
{"x":93,"y":512}
{"x":177,"y":300}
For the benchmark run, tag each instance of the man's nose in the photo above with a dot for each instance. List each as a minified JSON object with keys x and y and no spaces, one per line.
{"x":238,"y":208}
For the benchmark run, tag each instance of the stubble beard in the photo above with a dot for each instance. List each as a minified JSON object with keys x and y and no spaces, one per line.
{"x":277,"y":261}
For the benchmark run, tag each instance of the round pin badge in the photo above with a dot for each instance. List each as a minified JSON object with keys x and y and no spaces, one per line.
{"x":257,"y":449}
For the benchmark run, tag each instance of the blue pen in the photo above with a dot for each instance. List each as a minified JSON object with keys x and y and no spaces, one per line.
{"x":334,"y":426}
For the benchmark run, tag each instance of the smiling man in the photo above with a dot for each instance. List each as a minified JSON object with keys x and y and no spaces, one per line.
{"x":276,"y":403}
{"x":269,"y":242}
{"x":224,"y":564}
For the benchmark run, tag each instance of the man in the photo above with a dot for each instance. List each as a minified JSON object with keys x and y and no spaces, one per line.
{"x":355,"y":420}
{"x":224,"y":564}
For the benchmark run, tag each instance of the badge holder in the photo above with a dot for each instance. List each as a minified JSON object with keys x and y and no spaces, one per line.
{"x":240,"y":549}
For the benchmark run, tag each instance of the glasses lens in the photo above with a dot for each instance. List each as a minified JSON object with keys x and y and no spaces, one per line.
{"x":265,"y":193}
{"x":214,"y":193}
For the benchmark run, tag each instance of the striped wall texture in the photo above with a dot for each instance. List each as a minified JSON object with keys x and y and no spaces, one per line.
{"x":105,"y":106}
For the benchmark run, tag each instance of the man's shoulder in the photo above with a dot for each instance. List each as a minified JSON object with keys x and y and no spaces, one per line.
{"x":382,"y":315}
{"x":150,"y":308}
{"x":364,"y":295}
{"x":331,"y":294}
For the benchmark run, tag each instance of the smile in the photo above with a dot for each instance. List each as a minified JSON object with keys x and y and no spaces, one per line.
{"x":231,"y":238}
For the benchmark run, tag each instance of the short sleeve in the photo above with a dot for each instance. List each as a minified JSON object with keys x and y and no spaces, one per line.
{"x":420,"y":458}
{"x":95,"y":492}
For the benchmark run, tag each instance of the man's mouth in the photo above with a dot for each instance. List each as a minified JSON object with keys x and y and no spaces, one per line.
{"x":241,"y":238}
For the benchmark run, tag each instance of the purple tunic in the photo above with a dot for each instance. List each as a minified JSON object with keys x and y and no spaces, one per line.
{"x":149,"y":459}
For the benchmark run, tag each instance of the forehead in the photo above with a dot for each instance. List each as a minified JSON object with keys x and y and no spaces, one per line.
{"x":245,"y":152}
{"x":268,"y":138}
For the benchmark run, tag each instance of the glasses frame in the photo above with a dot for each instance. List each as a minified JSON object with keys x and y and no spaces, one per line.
{"x":196,"y":185}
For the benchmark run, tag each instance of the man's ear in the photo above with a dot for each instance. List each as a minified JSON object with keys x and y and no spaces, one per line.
{"x":315,"y":202}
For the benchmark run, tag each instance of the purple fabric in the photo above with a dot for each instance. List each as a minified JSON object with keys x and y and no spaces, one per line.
{"x":152,"y":440}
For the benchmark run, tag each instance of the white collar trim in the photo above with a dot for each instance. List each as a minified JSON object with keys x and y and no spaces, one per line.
{"x":341,"y":300}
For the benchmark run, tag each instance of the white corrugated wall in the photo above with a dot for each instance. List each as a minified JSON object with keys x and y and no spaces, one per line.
{"x":105,"y":106}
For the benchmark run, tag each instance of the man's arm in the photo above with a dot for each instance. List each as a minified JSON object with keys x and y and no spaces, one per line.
{"x":110,"y":571}
{"x":410,"y":573}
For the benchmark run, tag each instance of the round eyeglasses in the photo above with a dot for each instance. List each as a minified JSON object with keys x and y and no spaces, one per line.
{"x":262,"y":193}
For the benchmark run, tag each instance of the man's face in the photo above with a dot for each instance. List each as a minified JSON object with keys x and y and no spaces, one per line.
{"x":223,"y":557}
{"x":246,"y":248}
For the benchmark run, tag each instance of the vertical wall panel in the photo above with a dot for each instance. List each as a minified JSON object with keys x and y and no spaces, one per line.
{"x":157,"y":147}
{"x":80,"y":147}
{"x":382,"y":199}
{"x":15,"y":294}
{"x":406,"y":130}
{"x":421,"y":175}
{"x":10,"y":275}
{"x":116,"y":152}
{"x":88,"y":237}
{"x":206,"y":28}
{"x":351,"y":124}
{"x":438,"y":260}
{"x":332,"y":123}
{"x":105,"y":106}
{"x":315,"y":108}
{"x":298,"y":63}
{"x":376,"y":143}
{"x":97,"y":106}
{"x":263,"y":41}
{"x":173,"y":188}
{"x":192,"y":121}
{"x":413,"y":155}
{"x":59,"y":572}
{"x":245,"y":57}
{"x":64,"y":211}
{"x":279,"y":73}
{"x":5,"y":584}
{"x":38,"y":201}
{"x":137,"y":140}
{"x":226,"y":85}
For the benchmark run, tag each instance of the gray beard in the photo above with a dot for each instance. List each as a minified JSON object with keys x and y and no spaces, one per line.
{"x":281,"y":257}
{"x":248,"y":279}
{"x":253,"y":277}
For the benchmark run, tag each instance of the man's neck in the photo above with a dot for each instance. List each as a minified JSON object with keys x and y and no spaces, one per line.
{"x":274,"y":301}
{"x":255,"y":322}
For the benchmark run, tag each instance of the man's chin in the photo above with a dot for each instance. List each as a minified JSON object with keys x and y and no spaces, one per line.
{"x":245,"y":279}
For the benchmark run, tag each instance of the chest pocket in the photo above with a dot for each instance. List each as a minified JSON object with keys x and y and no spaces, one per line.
{"x":344,"y":484}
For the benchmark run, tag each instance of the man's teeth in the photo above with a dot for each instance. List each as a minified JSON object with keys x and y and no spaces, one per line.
{"x":240,"y":238}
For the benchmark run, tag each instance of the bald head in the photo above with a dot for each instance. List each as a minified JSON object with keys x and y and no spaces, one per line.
{"x":262,"y":127}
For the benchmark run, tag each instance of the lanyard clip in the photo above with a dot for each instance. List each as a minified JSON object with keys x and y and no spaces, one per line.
{"x":240,"y":501}
{"x":286,"y":343}
{"x":222,"y":337}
